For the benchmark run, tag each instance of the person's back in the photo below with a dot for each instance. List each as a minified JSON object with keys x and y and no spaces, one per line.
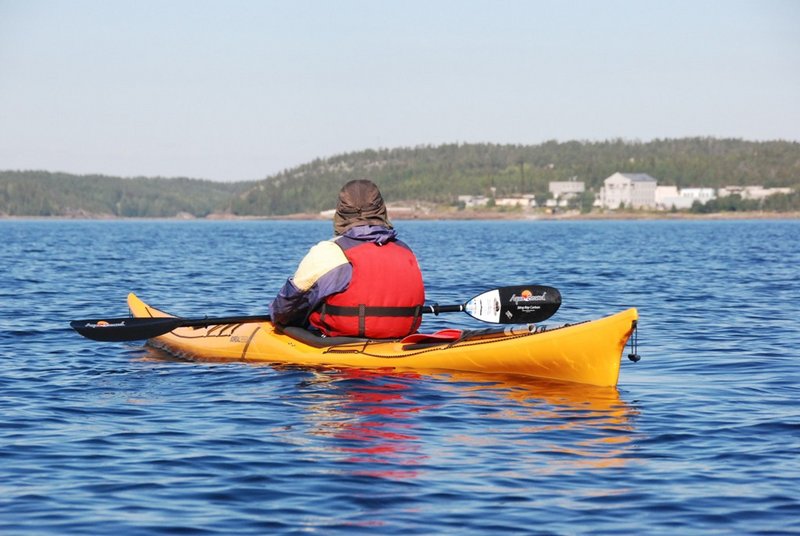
{"x":365,"y":282}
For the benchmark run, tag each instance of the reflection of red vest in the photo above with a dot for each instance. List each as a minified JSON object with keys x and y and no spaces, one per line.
{"x":385,"y":295}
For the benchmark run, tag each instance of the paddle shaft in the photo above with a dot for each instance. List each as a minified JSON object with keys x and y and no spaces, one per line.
{"x":203,"y":322}
{"x":132,"y":328}
{"x":436,"y":308}
{"x":504,"y":305}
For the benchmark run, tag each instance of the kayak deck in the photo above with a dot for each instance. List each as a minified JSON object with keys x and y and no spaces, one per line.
{"x":588,"y":352}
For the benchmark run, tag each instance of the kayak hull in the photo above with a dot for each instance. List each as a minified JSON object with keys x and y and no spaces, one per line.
{"x":588,"y":352}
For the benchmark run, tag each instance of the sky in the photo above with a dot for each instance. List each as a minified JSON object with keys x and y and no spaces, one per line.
{"x":244,"y":89}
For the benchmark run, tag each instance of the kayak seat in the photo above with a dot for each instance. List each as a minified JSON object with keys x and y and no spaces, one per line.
{"x":317,"y":341}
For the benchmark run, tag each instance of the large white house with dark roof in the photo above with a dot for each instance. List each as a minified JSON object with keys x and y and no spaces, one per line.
{"x":636,"y":190}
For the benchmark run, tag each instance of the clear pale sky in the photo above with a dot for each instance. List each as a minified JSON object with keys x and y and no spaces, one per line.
{"x":241,"y":89}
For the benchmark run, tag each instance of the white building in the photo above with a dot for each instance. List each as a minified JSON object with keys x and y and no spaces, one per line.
{"x":525,"y":201}
{"x":636,"y":190}
{"x":670,"y":197}
{"x":752,"y":192}
{"x":566,"y":189}
{"x":666,"y":192}
{"x":472,"y":201}
{"x":563,"y":191}
{"x":704,"y":195}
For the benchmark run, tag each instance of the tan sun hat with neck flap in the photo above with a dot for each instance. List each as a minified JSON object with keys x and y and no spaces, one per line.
{"x":360,"y":203}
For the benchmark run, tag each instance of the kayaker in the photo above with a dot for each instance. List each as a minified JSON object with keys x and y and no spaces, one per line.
{"x":363,"y":282}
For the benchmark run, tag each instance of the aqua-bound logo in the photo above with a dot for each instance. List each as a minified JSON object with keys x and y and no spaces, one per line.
{"x":526,"y":296}
{"x":104,"y":324}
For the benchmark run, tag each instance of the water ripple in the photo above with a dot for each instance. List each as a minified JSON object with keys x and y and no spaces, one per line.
{"x":700,"y":437}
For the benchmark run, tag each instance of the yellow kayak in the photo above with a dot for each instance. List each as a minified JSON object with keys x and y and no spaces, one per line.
{"x":588,"y":352}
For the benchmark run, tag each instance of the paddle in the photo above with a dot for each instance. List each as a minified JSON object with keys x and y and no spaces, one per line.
{"x":134,"y":329}
{"x":520,"y":304}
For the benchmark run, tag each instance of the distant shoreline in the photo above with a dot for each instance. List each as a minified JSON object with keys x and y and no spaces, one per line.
{"x":461,"y":215}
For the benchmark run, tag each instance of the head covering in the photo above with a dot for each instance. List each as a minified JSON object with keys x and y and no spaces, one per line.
{"x":360,"y":203}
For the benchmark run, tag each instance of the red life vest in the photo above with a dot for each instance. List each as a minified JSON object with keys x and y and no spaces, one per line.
{"x":385,"y":295}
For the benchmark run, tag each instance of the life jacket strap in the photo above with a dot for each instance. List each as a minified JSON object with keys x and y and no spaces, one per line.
{"x":362,"y":312}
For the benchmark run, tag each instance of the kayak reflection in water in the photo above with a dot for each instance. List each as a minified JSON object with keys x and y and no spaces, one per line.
{"x":364,"y":282}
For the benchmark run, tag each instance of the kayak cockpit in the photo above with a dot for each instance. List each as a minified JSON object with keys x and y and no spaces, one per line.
{"x":316,"y":340}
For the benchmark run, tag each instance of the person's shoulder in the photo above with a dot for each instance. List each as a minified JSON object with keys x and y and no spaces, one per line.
{"x":326,"y":248}
{"x":320,"y":259}
{"x":401,"y":244}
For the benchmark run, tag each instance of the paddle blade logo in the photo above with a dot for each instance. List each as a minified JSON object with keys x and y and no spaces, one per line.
{"x":527,"y":302}
{"x":105,"y":324}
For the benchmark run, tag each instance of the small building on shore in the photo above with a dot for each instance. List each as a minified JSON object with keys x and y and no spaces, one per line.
{"x":524,"y":201}
{"x":563,"y":191}
{"x":704,"y":195}
{"x":566,"y":189}
{"x":472,"y":201}
{"x":671,"y":197}
{"x":752,"y":192}
{"x":635,"y":190}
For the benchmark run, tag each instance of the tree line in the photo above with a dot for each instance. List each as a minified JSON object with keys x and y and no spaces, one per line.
{"x":431,"y":174}
{"x":438,"y":174}
{"x":41,"y":193}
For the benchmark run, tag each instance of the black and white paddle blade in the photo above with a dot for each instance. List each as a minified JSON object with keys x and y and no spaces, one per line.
{"x":521,"y":304}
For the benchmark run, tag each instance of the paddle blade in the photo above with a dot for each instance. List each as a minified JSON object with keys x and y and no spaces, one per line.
{"x":522,"y":304}
{"x":124,"y":329}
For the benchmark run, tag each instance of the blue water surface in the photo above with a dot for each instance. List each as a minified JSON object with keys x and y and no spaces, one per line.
{"x":702,"y":436}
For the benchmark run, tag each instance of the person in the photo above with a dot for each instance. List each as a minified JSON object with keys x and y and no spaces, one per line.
{"x":364,"y":282}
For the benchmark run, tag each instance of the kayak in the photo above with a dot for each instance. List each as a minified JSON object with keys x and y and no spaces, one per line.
{"x":587,"y":352}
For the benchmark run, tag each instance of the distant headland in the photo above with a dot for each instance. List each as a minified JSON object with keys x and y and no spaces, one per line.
{"x":666,"y":178}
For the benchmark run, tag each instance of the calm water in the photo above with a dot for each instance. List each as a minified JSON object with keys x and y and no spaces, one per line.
{"x":701,"y":436}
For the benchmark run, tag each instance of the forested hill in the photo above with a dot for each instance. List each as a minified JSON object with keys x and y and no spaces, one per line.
{"x":440,"y":174}
{"x":40,"y":193}
{"x":426,"y":173}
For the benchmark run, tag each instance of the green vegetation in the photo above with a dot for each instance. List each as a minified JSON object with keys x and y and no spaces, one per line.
{"x":735,"y":203}
{"x":39,"y":193}
{"x":439,"y":174}
{"x":425,"y":174}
